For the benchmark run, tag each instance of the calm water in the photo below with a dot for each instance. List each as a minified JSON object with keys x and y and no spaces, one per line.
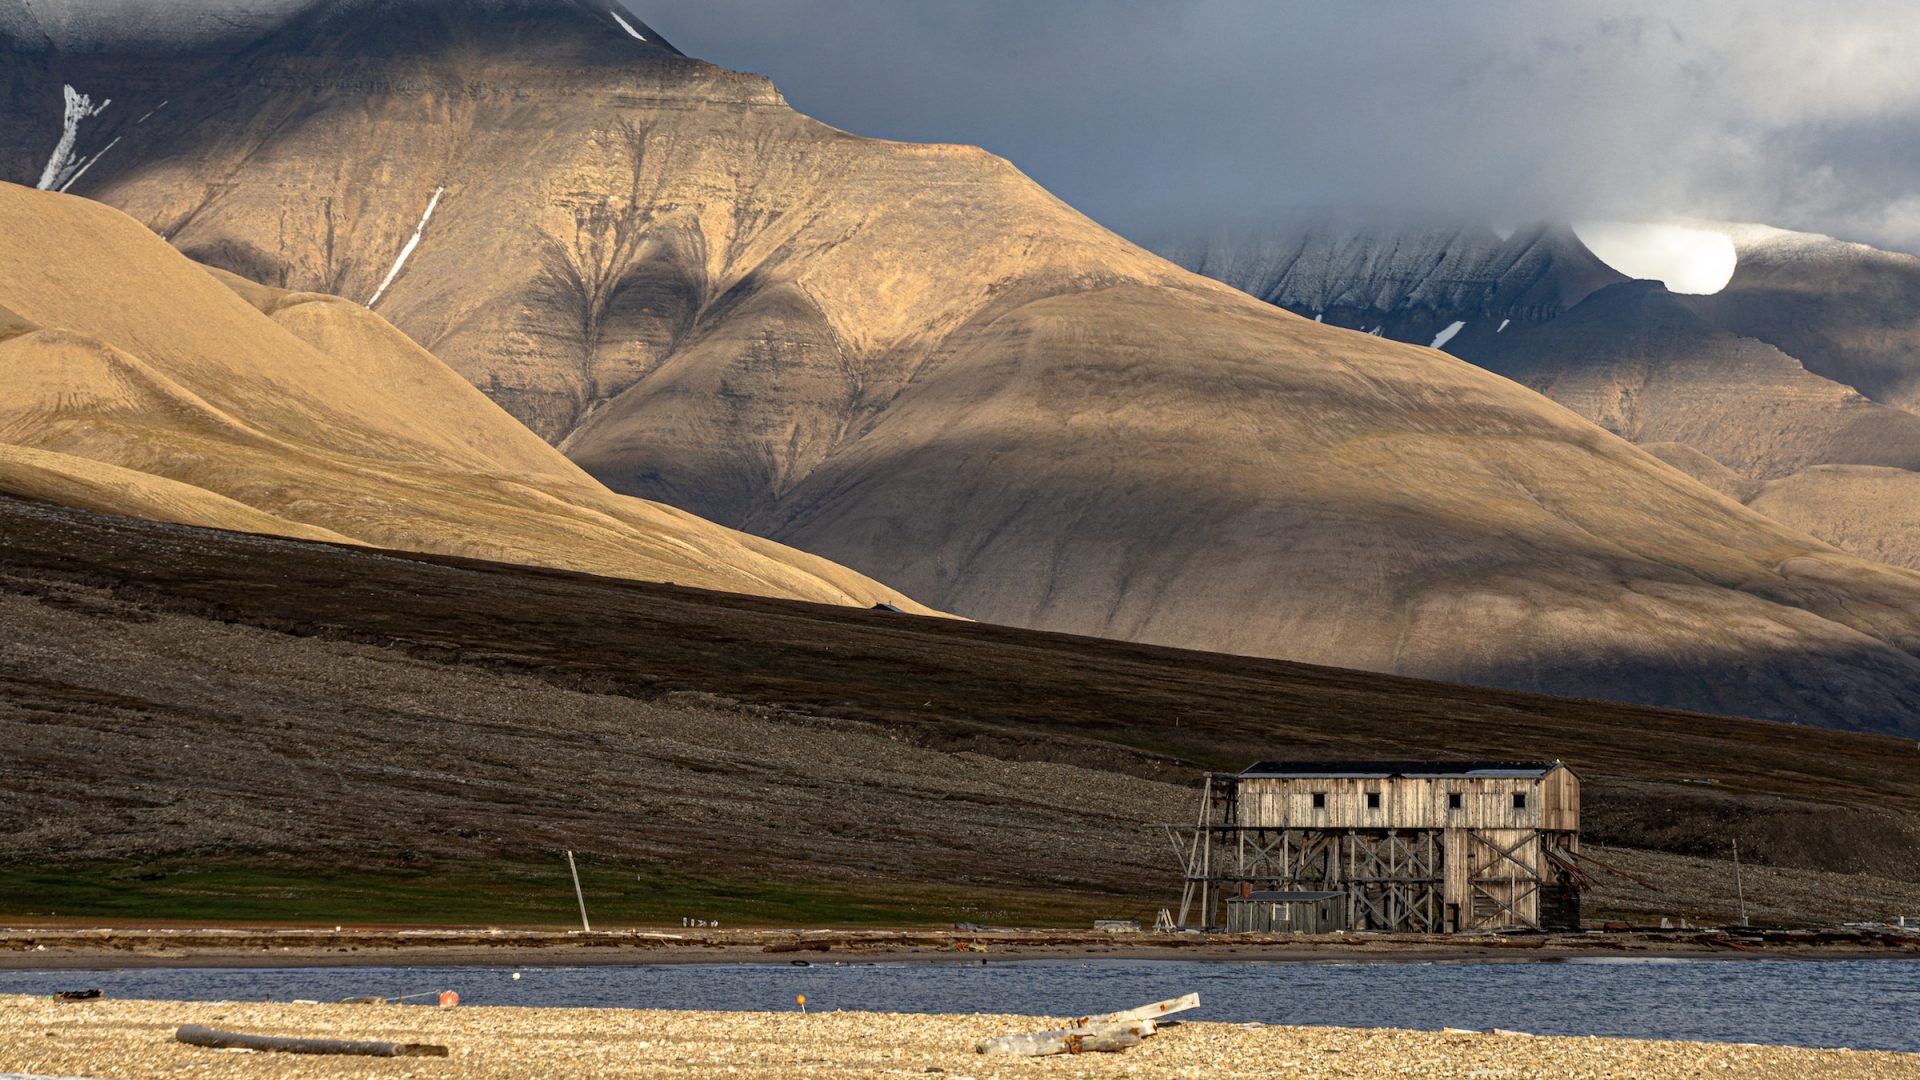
{"x":1863,"y":1004}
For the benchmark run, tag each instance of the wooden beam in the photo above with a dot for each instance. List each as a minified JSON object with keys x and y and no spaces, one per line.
{"x":1089,"y":1038}
{"x":195,"y":1035}
{"x":1146,"y":1012}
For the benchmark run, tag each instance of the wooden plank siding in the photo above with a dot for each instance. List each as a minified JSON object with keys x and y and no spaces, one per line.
{"x":1407,"y":802}
{"x":1560,"y":802}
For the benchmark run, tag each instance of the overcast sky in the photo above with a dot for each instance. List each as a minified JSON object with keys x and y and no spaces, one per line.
{"x":1798,"y":113}
{"x":1805,"y":115}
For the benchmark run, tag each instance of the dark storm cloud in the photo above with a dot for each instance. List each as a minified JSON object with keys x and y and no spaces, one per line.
{"x":1151,"y":113}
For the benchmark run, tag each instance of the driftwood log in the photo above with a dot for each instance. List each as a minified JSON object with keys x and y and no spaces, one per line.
{"x":1113,"y":1031}
{"x":1145,"y":1012}
{"x":195,"y":1035}
{"x":1090,"y":1038}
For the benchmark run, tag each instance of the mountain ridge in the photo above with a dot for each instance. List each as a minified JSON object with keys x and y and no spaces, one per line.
{"x":1796,"y":377}
{"x":1409,"y":285}
{"x":1849,"y":311}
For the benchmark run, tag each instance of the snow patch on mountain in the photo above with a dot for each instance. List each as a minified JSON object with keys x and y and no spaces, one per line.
{"x":1752,"y":237}
{"x":407,"y":251}
{"x":65,"y":165}
{"x":1440,"y":340}
{"x":628,"y":27}
{"x":90,"y":162}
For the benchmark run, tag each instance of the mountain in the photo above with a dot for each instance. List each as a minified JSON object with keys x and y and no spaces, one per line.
{"x":1795,"y":380}
{"x":1849,"y":312}
{"x":1641,"y":362}
{"x":1809,"y":452}
{"x":1409,"y":284}
{"x":916,"y":362}
{"x":135,"y":382}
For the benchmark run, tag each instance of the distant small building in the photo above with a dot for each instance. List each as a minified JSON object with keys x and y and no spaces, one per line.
{"x":1421,"y":846}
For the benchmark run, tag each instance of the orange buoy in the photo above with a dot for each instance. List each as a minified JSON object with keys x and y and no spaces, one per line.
{"x":448,"y":999}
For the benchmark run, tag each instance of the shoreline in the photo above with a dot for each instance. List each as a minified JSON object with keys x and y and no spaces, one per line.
{"x":136,"y":1038}
{"x":111,"y":948}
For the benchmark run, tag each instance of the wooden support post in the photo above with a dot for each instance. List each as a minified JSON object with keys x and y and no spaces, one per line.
{"x":1739,"y":892}
{"x":1195,"y":866}
{"x":1206,"y":858}
{"x":579,"y":895}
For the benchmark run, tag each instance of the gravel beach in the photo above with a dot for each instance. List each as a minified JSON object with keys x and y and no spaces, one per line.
{"x":57,"y":948}
{"x":125,"y":1039}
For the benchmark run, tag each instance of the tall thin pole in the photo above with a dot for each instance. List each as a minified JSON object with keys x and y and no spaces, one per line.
{"x":1206,"y":853}
{"x":578,"y":895}
{"x":1739,"y":892}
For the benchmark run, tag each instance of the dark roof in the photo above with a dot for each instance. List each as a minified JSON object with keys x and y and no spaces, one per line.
{"x":1383,"y":769}
{"x":1281,"y":897}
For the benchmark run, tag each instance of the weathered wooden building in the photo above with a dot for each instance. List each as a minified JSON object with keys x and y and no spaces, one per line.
{"x":1426,"y":846}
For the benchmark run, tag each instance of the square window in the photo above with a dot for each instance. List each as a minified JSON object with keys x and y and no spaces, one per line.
{"x":1319,"y":800}
{"x":1519,"y":800}
{"x":1455,"y":800}
{"x":1373,"y":800}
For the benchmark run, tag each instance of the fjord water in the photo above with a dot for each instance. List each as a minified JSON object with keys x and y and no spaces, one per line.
{"x":1856,"y":1004}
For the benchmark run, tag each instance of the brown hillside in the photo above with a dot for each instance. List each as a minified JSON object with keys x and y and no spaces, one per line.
{"x":1872,"y":512}
{"x":135,"y":382}
{"x":317,"y":694}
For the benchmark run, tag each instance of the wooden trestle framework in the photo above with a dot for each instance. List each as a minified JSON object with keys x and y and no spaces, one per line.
{"x":1415,"y":847}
